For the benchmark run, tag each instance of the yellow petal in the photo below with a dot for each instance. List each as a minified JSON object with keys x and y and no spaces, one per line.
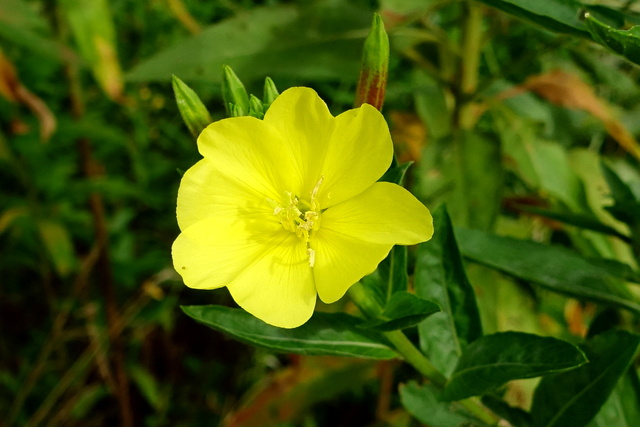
{"x":278,"y":286}
{"x":359,"y":152}
{"x":251,"y":152}
{"x":306,"y":125}
{"x":351,"y":151}
{"x":211,"y":253}
{"x":385,"y":213}
{"x":205,"y":192}
{"x":340,"y":261}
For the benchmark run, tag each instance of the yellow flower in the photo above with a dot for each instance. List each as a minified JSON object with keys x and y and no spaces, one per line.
{"x":286,"y":208}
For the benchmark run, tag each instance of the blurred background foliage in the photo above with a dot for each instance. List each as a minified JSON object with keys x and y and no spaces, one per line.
{"x":504,"y":119}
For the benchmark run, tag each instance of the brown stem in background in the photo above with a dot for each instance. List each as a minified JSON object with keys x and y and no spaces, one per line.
{"x":104,"y":274}
{"x":386,"y":369}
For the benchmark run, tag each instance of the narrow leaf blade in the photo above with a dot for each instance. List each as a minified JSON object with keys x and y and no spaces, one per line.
{"x":334,"y":334}
{"x":575,"y":397}
{"x":564,"y":271}
{"x":440,"y":276}
{"x":495,"y":359}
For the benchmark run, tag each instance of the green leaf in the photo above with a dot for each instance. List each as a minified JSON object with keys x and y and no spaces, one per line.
{"x":58,"y":243}
{"x":556,"y":15}
{"x":315,"y":42}
{"x":93,"y":30}
{"x":617,"y":269}
{"x":573,"y":398}
{"x":440,"y":276}
{"x":623,"y":42}
{"x":425,"y":404}
{"x":21,"y":24}
{"x":147,"y":384}
{"x":466,"y":173}
{"x":493,"y":360}
{"x":588,"y":222}
{"x":335,"y":334}
{"x":431,"y":104}
{"x":621,"y":409}
{"x":402,"y":311}
{"x":626,"y":206}
{"x":554,"y":268}
{"x":193,"y":112}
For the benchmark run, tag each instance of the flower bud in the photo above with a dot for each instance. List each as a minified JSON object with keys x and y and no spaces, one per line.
{"x":233,"y":92}
{"x":270,"y":93}
{"x":375,"y":66}
{"x":193,"y":112}
{"x":256,"y":109}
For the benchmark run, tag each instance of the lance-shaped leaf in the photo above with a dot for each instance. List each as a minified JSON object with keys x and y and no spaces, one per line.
{"x":556,"y":15}
{"x":193,"y":112}
{"x":92,"y":27}
{"x":440,"y":276}
{"x":573,"y":398}
{"x":402,"y":311}
{"x":58,"y":243}
{"x":622,"y":42}
{"x":626,"y":206}
{"x":555,"y":268}
{"x":318,"y":41}
{"x":334,"y":334}
{"x":622,"y":408}
{"x":375,"y":66}
{"x":586,"y":221}
{"x":493,"y":360}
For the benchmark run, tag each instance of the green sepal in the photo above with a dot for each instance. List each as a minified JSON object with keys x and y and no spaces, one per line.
{"x":256,"y":109}
{"x":234,"y":93}
{"x":235,"y":111}
{"x":270,"y":93}
{"x":193,"y":112}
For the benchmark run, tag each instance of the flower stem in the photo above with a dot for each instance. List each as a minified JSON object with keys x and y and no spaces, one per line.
{"x":415,"y":358}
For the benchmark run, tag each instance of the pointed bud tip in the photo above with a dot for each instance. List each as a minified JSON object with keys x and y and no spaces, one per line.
{"x":192,"y":109}
{"x":234,"y":92}
{"x":375,"y":65}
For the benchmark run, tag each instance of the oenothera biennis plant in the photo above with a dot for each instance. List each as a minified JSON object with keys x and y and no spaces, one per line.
{"x":288,"y":208}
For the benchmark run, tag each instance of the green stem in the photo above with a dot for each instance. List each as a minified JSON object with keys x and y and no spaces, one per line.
{"x":470,"y":60}
{"x":415,"y":358}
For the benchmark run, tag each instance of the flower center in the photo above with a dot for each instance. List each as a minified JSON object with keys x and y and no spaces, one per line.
{"x":300,"y":216}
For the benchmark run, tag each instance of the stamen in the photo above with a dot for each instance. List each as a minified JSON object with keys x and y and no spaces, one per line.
{"x":312,"y":257}
{"x":314,"y":192}
{"x":300,"y":216}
